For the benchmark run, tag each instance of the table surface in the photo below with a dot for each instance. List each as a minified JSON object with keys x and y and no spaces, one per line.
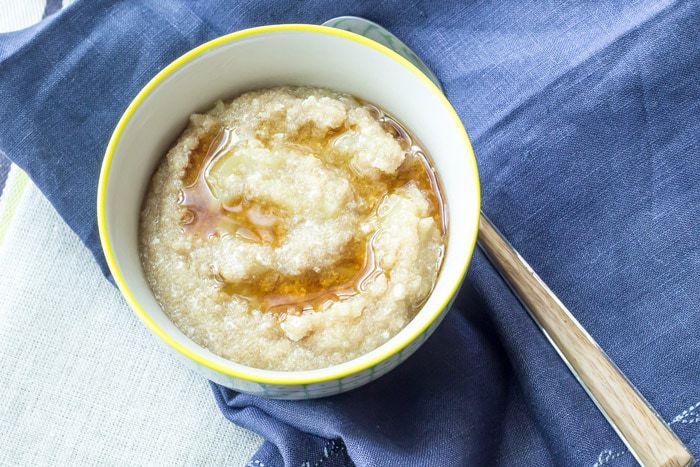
{"x":84,"y":382}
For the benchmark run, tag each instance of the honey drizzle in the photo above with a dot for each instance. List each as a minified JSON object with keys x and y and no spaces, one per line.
{"x":292,"y":295}
{"x":204,"y":213}
{"x":355,"y":267}
{"x":416,"y":168}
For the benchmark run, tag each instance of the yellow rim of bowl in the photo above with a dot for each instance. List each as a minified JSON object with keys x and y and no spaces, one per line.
{"x":284,"y":377}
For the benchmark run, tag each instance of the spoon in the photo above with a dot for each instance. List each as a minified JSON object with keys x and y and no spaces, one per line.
{"x":642,"y":430}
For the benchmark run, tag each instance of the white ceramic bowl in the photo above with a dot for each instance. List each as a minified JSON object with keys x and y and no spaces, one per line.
{"x":258,"y":58}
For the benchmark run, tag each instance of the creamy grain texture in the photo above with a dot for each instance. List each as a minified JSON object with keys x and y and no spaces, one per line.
{"x":306,"y":187}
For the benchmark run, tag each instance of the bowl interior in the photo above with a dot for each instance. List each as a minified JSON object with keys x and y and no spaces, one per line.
{"x":238,"y":63}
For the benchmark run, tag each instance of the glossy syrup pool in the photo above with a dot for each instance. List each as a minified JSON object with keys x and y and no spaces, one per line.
{"x":206,"y":216}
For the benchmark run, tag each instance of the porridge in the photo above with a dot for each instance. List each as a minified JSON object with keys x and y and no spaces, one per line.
{"x":292,"y":229}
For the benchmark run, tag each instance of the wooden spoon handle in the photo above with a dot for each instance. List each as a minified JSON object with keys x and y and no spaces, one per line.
{"x":646,"y":435}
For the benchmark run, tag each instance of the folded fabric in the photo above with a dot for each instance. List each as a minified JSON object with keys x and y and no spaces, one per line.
{"x":584,"y":119}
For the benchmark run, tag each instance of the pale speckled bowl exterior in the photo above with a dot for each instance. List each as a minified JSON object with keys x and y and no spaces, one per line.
{"x":264,"y":57}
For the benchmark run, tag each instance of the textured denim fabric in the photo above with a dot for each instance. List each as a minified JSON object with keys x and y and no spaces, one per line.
{"x":585,"y":119}
{"x":4,"y":171}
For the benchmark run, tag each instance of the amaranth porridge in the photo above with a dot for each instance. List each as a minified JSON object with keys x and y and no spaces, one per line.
{"x":292,"y":229}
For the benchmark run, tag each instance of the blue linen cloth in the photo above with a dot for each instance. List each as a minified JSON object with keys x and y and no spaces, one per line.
{"x":585,"y":119}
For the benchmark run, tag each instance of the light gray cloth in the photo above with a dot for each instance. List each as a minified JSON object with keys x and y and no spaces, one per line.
{"x":63,"y":325}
